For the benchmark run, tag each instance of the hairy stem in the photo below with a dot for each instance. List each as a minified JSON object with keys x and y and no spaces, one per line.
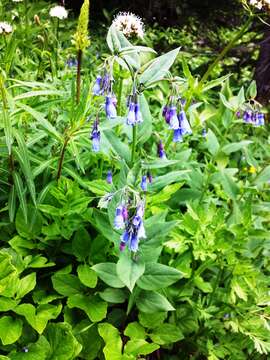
{"x":79,"y":59}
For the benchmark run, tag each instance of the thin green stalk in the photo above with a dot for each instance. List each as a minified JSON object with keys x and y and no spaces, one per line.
{"x":61,"y":159}
{"x":79,"y":59}
{"x":119,"y":95}
{"x":134,"y":143}
{"x":227,"y":48}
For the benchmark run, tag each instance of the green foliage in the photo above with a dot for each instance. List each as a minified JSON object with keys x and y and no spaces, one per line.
{"x":198,"y":286}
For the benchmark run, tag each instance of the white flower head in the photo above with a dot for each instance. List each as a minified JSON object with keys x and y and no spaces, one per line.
{"x":129,"y":24}
{"x":59,"y":12}
{"x":5,"y":28}
{"x":261,"y":4}
{"x":17,"y":0}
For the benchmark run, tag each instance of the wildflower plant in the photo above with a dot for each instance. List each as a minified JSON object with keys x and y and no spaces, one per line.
{"x":135,"y":216}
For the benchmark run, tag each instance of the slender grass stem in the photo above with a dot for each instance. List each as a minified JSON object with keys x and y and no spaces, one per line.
{"x":61,"y":159}
{"x":79,"y":60}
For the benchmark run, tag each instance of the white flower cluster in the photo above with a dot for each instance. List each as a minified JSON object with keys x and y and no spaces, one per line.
{"x":261,"y":4}
{"x":59,"y":12}
{"x":5,"y":28}
{"x":17,"y":0}
{"x":129,"y":24}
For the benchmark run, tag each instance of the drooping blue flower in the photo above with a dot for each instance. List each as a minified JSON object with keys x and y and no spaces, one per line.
{"x":177,"y":135}
{"x":173,"y":119}
{"x":259,"y":120}
{"x":119,"y":222}
{"x":161,"y":151}
{"x":105,"y":84}
{"x":247,"y":116}
{"x":141,"y":231}
{"x":131,"y":118}
{"x":109,"y":177}
{"x":184,"y":124}
{"x":95,"y":137}
{"x":97,"y":86}
{"x":125,"y":213}
{"x":144,"y":183}
{"x":204,"y":132}
{"x":110,"y":108}
{"x":134,"y":242}
{"x":138,"y":114}
{"x":125,"y":238}
{"x":149,"y":177}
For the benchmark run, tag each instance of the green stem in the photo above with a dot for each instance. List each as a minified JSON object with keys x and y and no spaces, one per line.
{"x":79,"y":59}
{"x":119,"y":96}
{"x":61,"y":159}
{"x":134,"y":143}
{"x":226,"y":50}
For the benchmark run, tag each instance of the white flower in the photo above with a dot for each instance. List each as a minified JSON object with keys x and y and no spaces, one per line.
{"x":129,"y":24}
{"x":59,"y":12}
{"x":17,"y":0}
{"x":260,"y":4}
{"x":5,"y":28}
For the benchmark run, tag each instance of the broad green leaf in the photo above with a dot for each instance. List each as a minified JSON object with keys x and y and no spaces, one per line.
{"x":116,"y":296}
{"x":99,"y":187}
{"x":144,"y":129}
{"x":64,"y":345}
{"x":157,"y":276}
{"x":81,"y":244}
{"x":166,"y":334}
{"x":233,"y":147}
{"x":140,"y":347}
{"x":66,"y":284}
{"x":38,"y":317}
{"x":212,"y":142}
{"x":25,"y":285}
{"x":174,"y":176}
{"x":263,"y":176}
{"x":35,"y":93}
{"x":87,"y":276}
{"x":158,"y":68}
{"x":151,"y":320}
{"x":129,"y":270}
{"x":151,"y":302}
{"x":10,"y":329}
{"x":135,"y":330}
{"x":31,"y":228}
{"x":94,"y":307}
{"x":39,"y":350}
{"x":21,"y":193}
{"x":107,"y":273}
{"x":117,"y":146}
{"x":112,"y":339}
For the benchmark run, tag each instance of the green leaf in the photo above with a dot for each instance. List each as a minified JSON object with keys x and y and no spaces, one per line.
{"x":204,"y":286}
{"x":64,"y":345}
{"x":252,"y":90}
{"x":174,"y":176}
{"x":66,"y":284}
{"x":135,"y":330}
{"x":95,"y":309}
{"x":31,"y":228}
{"x":212,"y":143}
{"x":144,"y":129}
{"x":25,"y":285}
{"x":10,"y":329}
{"x":151,"y":302}
{"x":116,"y":296}
{"x":117,"y":146}
{"x":39,"y":350}
{"x":233,"y":147}
{"x":87,"y":276}
{"x":81,"y":244}
{"x":107,"y":273}
{"x":113,"y":344}
{"x":158,"y":276}
{"x":158,"y":68}
{"x":140,"y":347}
{"x":166,"y":334}
{"x":263,"y":177}
{"x":21,"y":193}
{"x":99,"y":187}
{"x":38,"y":317}
{"x":152,"y":320}
{"x":229,"y":186}
{"x":129,"y":270}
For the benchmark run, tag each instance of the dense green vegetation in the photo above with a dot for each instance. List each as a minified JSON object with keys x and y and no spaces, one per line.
{"x":134,"y":189}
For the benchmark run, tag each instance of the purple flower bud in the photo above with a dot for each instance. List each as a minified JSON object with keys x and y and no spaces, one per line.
{"x":95,"y":137}
{"x":138,"y":114}
{"x":247,"y":116}
{"x":97,"y":86}
{"x":164,"y":111}
{"x":125,"y":213}
{"x":238,"y":114}
{"x":119,"y":220}
{"x":150,"y":177}
{"x":131,"y":118}
{"x":105,"y":83}
{"x":204,"y":132}
{"x":144,"y":183}
{"x":173,"y":119}
{"x":122,"y":246}
{"x":161,"y":151}
{"x":134,"y":243}
{"x":177,"y":135}
{"x":110,"y":109}
{"x":109,"y":177}
{"x":184,"y":124}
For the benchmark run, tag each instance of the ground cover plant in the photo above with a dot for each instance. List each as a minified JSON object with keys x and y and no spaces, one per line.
{"x":134,"y":195}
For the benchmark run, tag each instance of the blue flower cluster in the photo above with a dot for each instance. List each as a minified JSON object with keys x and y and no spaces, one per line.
{"x":253,"y":117}
{"x":161,"y":151}
{"x":132,"y":224}
{"x":134,"y":115}
{"x":103,"y":86}
{"x":177,"y":121}
{"x":95,"y":136}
